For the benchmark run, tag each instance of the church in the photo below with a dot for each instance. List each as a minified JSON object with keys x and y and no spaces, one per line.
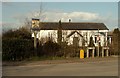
{"x":74,"y":33}
{"x":70,"y":31}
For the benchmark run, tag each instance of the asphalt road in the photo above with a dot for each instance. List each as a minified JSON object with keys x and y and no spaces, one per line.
{"x":102,"y":68}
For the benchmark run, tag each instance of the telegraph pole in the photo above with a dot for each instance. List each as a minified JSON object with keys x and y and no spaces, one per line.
{"x":98,"y":44}
{"x":59,"y":33}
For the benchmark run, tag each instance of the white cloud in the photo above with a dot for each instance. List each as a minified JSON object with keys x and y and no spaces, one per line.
{"x":75,"y":16}
{"x":55,"y":16}
{"x":83,"y":15}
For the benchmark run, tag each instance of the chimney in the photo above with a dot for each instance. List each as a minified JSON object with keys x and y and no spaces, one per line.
{"x":59,"y":22}
{"x":69,"y":20}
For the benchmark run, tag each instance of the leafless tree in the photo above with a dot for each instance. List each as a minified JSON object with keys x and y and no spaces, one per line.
{"x":26,"y":20}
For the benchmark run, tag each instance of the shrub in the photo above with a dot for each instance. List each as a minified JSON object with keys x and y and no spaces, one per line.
{"x":51,"y":48}
{"x":16,"y":49}
{"x":17,"y":44}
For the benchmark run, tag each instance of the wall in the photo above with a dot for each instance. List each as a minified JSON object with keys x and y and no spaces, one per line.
{"x":85,"y":33}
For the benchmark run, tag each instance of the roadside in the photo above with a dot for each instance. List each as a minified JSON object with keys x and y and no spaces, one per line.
{"x":60,"y":61}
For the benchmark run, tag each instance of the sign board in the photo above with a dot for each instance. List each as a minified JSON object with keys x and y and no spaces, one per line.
{"x":35,"y":22}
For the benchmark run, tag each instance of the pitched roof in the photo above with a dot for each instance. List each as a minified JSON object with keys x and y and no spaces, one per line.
{"x":71,"y":26}
{"x":73,"y":33}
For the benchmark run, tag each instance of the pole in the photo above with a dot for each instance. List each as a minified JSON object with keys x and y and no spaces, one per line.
{"x":35,"y":40}
{"x":106,"y":39}
{"x":98,"y":42}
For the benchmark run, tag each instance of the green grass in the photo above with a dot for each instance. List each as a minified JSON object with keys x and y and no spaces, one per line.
{"x":36,"y":58}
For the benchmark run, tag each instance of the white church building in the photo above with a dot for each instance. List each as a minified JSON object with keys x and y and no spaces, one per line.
{"x":71,"y":31}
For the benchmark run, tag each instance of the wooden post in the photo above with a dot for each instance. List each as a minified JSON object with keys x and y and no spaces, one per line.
{"x":106,"y":39}
{"x":87,"y":53}
{"x":35,"y":24}
{"x":102,"y":52}
{"x":35,"y":40}
{"x":93,"y":53}
{"x":107,"y":52}
{"x":98,"y":53}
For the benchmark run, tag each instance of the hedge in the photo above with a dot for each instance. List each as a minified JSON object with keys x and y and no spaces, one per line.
{"x":17,"y":49}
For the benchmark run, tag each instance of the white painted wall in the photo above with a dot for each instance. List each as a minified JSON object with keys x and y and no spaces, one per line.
{"x":86,"y":33}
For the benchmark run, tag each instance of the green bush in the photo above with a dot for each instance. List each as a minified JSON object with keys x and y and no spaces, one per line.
{"x":50,"y":48}
{"x":17,"y":44}
{"x":16,"y":49}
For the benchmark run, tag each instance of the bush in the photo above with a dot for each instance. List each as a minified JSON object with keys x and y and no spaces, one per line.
{"x":21,"y":33}
{"x":17,"y":44}
{"x":50,"y":48}
{"x":16,"y":49}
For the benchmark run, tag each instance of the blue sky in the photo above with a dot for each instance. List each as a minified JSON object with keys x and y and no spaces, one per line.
{"x":14,"y":13}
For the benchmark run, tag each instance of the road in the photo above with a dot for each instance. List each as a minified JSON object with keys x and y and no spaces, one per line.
{"x":98,"y":68}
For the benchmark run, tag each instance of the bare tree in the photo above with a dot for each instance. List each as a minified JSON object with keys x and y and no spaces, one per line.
{"x":25,"y":20}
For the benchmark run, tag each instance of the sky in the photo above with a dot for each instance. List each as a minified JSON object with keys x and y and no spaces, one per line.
{"x":14,"y":13}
